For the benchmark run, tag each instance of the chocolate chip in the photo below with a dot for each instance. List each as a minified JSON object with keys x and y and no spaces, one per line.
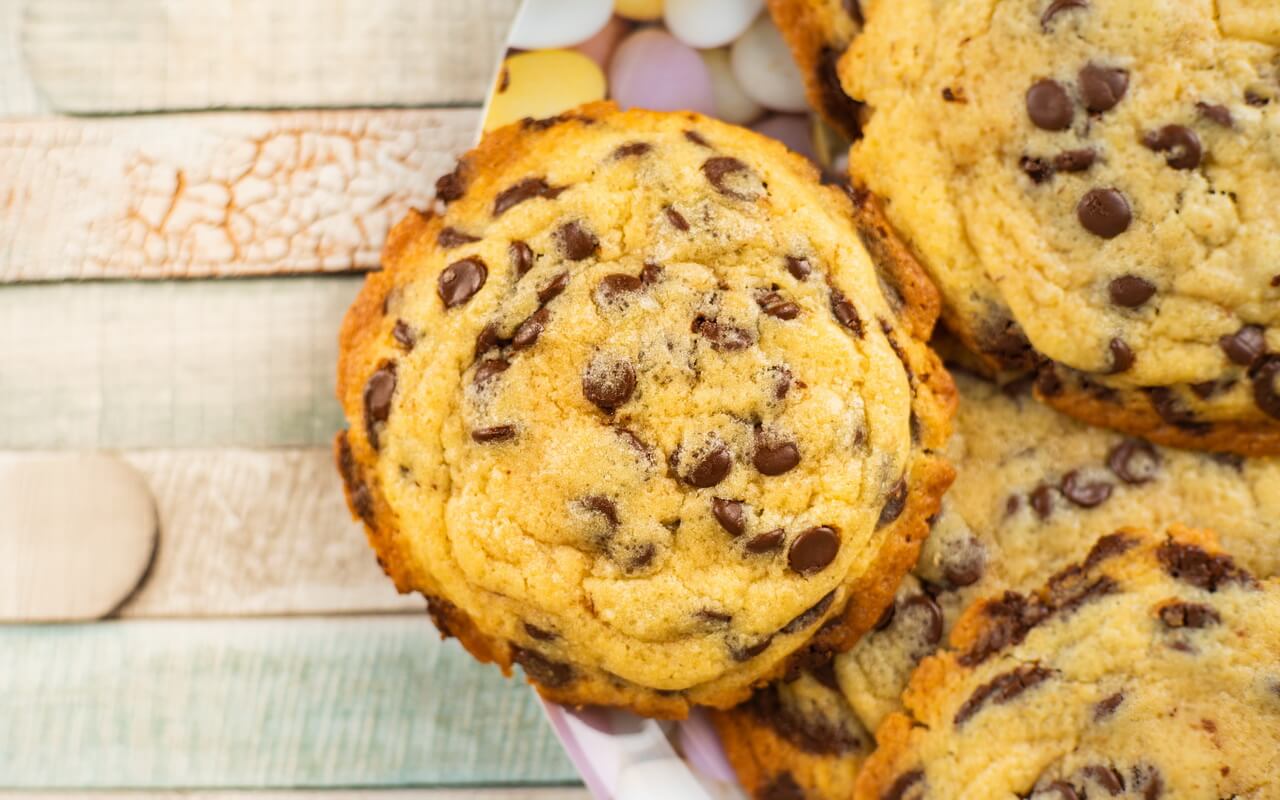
{"x":719,"y":169}
{"x":452,"y":185}
{"x":965,"y":567}
{"x":1193,"y":565}
{"x":529,"y":330}
{"x":608,"y":382}
{"x":1204,"y":389}
{"x":449,"y":238}
{"x":813,"y":550}
{"x":1254,"y":99}
{"x":1049,"y":105}
{"x":1042,"y":500}
{"x":1134,"y":461}
{"x":1005,"y":341}
{"x":799,"y":267}
{"x":765,"y":542}
{"x":782,"y":381}
{"x":894,"y":503}
{"x":541,"y":669}
{"x":722,"y":336}
{"x":1057,"y":7}
{"x":696,"y":138}
{"x":676,"y":219}
{"x":886,"y":616}
{"x":1215,"y":113}
{"x":404,"y":335}
{"x":576,"y":242}
{"x":1189,"y":615}
{"x":904,"y":783}
{"x":357,"y":490}
{"x":526,"y":189}
{"x":712,"y":466}
{"x":1107,"y":706}
{"x":1037,"y":169}
{"x":632,"y":149}
{"x":650,"y":274}
{"x":611,"y":287}
{"x":782,"y":786}
{"x":599,"y":504}
{"x":521,"y":256}
{"x":1179,"y":143}
{"x":854,"y":9}
{"x":1083,"y":493}
{"x":1170,"y":409}
{"x":635,"y":442}
{"x":1122,"y":357}
{"x":1106,"y":777}
{"x":1074,"y":160}
{"x":641,"y":557}
{"x":1002,"y":689}
{"x":810,"y":615}
{"x":553,"y":289}
{"x":932,"y":612}
{"x":488,"y":369}
{"x":1101,"y":87}
{"x":951,"y":96}
{"x":838,"y":105}
{"x":540,"y":634}
{"x":1266,"y":385}
{"x":1056,"y":790}
{"x":775,"y":458}
{"x":714,"y":617}
{"x":1104,"y":213}
{"x":496,"y":433}
{"x":1107,"y":547}
{"x":1245,"y":346}
{"x":750,"y":651}
{"x":378,"y":392}
{"x":775,"y":305}
{"x":845,"y":313}
{"x":1130,"y":291}
{"x":731,"y":514}
{"x":460,"y":281}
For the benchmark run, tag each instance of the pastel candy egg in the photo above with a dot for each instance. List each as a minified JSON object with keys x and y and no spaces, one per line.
{"x":601,"y":46}
{"x":639,"y":10}
{"x":732,"y":104}
{"x":762,"y":64}
{"x":650,"y":69}
{"x":542,"y":84}
{"x":710,"y":23}
{"x":793,"y":130}
{"x":558,"y":23}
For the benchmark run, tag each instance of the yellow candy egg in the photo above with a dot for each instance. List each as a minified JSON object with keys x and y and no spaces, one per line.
{"x":542,"y":84}
{"x":640,"y":10}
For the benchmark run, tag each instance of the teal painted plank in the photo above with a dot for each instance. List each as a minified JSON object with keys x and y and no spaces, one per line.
{"x":177,"y":364}
{"x":304,"y":702}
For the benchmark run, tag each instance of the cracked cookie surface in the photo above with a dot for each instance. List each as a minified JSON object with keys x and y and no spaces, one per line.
{"x":637,"y":409}
{"x":1094,"y":186}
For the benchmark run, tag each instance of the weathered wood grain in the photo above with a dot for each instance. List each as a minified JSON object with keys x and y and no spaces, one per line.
{"x":148,"y":55}
{"x":18,"y":94}
{"x":289,"y":703}
{"x":170,"y":364}
{"x":223,"y":194}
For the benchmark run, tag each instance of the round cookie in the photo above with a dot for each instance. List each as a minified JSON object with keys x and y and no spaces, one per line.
{"x":637,"y":409}
{"x":1095,"y":187}
{"x":1147,"y":670}
{"x":818,"y":32}
{"x":1008,"y":523}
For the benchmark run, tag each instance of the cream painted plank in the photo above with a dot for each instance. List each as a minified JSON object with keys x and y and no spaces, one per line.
{"x":288,"y":703}
{"x":221,"y":194}
{"x":542,"y":793}
{"x":147,"y":55}
{"x":106,"y":365}
{"x":18,"y":93}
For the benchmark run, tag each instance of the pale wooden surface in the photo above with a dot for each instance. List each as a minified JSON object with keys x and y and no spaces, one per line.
{"x":148,"y":55}
{"x":194,"y":195}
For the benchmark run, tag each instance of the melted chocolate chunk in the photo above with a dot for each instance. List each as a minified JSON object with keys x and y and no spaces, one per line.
{"x":1170,"y":409}
{"x":449,"y":238}
{"x":487,"y":339}
{"x":650,"y":274}
{"x":1049,"y":105}
{"x":1134,"y":461}
{"x":712,"y":466}
{"x":1056,"y":790}
{"x":1104,"y":213}
{"x":553,"y":289}
{"x":1057,"y":7}
{"x":1130,"y":291}
{"x":495,"y":433}
{"x":1106,"y":777}
{"x":902,"y":786}
{"x":963,"y":566}
{"x":641,"y":557}
{"x":1266,"y":385}
{"x":1107,"y":547}
{"x":894,"y":503}
{"x":526,"y":189}
{"x":810,"y":615}
{"x":378,"y":392}
{"x":540,"y":634}
{"x":1107,"y":706}
{"x":1254,"y":99}
{"x":813,"y":550}
{"x":453,"y":185}
{"x":1006,"y":343}
{"x":460,"y":281}
{"x":357,"y":489}
{"x":404,"y":335}
{"x":1037,"y":169}
{"x":676,"y":219}
{"x":1074,"y":160}
{"x":541,"y":669}
{"x":780,"y":787}
{"x":838,"y":106}
{"x":521,"y":256}
{"x":1009,"y":619}
{"x":608,"y":383}
{"x":766,"y":542}
{"x":1179,"y":143}
{"x":1101,"y":88}
{"x":723,"y":337}
{"x":599,"y":504}
{"x":747,"y":652}
{"x":1122,"y":357}
{"x":1245,"y":346}
{"x":813,"y":733}
{"x":799,"y":267}
{"x":926,"y":606}
{"x":631,"y":150}
{"x":775,"y":305}
{"x":1002,"y":689}
{"x":845,"y":312}
{"x":1193,"y":565}
{"x":775,"y":458}
{"x":696,"y":138}
{"x":1042,"y":500}
{"x":1216,"y":113}
{"x":718,"y":171}
{"x":1189,"y":615}
{"x":576,"y":241}
{"x":731,"y":514}
{"x":1083,"y":493}
{"x":713,"y":617}
{"x":611,"y":287}
{"x":527,"y":333}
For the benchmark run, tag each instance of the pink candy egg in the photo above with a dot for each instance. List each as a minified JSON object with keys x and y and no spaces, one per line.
{"x":651,"y":69}
{"x":600,"y":47}
{"x":793,"y":130}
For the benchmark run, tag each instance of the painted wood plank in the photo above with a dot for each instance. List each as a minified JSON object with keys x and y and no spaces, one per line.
{"x":148,"y":55}
{"x":170,"y":364}
{"x":18,"y":95}
{"x":523,"y":793}
{"x":221,"y":194}
{"x":288,"y":703}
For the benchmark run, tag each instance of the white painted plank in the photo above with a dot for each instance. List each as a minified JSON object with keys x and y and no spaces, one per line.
{"x":541,"y":793}
{"x":146,"y":55}
{"x":292,"y":703}
{"x":107,"y":365}
{"x":221,"y":194}
{"x":18,"y":93}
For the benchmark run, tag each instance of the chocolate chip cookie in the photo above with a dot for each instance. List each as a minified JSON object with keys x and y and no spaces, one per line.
{"x":1033,"y":491}
{"x":818,"y":32}
{"x":1095,"y":186}
{"x":636,"y":408}
{"x":1146,"y":670}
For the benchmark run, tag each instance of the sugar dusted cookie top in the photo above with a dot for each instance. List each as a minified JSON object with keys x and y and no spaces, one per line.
{"x":639,"y":411}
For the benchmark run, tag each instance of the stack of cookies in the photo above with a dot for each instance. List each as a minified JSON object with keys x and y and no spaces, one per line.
{"x":644,"y":407}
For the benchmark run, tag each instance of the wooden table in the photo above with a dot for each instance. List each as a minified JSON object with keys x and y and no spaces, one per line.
{"x":176,"y":251}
